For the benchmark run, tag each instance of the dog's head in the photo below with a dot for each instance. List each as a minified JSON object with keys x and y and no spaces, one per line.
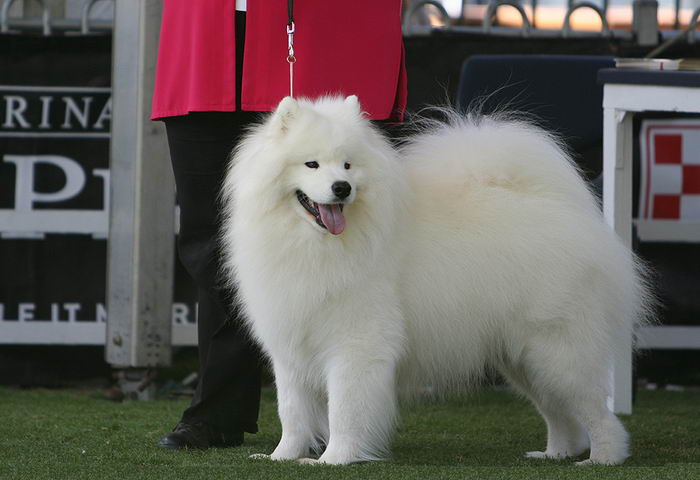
{"x":322,"y":158}
{"x":322,"y":166}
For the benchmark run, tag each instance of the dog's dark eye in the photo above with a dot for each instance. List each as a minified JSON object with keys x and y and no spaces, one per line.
{"x":347,"y":166}
{"x":311,"y":164}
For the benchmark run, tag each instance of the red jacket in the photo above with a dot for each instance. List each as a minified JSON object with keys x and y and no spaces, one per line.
{"x":342,"y":47}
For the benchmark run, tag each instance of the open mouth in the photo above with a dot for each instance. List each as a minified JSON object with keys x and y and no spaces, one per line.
{"x":327,"y":215}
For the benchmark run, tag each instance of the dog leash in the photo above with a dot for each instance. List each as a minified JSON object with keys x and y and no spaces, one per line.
{"x":291,"y":59}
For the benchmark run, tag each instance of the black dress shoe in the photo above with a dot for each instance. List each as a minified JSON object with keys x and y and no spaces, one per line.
{"x":199,"y":435}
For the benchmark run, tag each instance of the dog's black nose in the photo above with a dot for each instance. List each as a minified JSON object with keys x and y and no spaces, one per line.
{"x":341,"y":189}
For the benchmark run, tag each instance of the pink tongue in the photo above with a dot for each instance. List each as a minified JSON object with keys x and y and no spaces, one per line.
{"x":332,"y":217}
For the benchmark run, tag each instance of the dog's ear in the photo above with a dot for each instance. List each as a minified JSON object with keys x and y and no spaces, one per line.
{"x":352,"y":102}
{"x":284,"y":114}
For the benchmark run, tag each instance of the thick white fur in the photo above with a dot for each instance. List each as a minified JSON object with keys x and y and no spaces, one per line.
{"x":476,"y":246}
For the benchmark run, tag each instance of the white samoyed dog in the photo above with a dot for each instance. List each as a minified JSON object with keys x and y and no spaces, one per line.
{"x":367,"y":273}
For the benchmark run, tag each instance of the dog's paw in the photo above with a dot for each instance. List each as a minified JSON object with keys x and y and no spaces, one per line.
{"x":260,"y":456}
{"x":308,"y":461}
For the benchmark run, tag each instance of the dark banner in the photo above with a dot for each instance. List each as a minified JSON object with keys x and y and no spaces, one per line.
{"x":55,"y":119}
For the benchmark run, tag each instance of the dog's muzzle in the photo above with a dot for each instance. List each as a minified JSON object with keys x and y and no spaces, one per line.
{"x":327,"y":215}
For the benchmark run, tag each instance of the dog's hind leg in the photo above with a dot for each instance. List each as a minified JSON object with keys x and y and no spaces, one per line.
{"x":566,"y":437}
{"x":572,"y":377}
{"x":303,"y":416}
{"x":361,"y":410}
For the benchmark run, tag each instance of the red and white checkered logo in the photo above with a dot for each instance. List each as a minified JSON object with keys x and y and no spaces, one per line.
{"x":670,"y":170}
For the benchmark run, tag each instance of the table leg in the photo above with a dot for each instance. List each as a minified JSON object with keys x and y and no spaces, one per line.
{"x":617,"y":210}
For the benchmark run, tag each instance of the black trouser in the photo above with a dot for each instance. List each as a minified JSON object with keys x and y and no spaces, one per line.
{"x":228,"y":393}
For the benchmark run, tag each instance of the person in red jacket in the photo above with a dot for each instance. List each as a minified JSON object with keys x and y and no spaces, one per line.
{"x":219,"y":63}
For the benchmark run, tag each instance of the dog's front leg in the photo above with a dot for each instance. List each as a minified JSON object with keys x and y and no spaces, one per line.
{"x":361,"y":409}
{"x":301,"y":414}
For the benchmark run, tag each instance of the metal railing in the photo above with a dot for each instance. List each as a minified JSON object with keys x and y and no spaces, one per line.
{"x":528,"y":11}
{"x":689,"y":34}
{"x":85,"y":25}
{"x":49,"y":26}
{"x":566,"y":26}
{"x":491,"y":13}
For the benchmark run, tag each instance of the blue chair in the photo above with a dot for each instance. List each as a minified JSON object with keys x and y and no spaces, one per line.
{"x":560,"y":91}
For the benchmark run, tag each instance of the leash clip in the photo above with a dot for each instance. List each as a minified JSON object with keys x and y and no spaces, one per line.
{"x":290,"y":42}
{"x":291,"y":59}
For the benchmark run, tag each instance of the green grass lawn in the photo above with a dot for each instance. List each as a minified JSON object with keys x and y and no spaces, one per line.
{"x":63,"y":434}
